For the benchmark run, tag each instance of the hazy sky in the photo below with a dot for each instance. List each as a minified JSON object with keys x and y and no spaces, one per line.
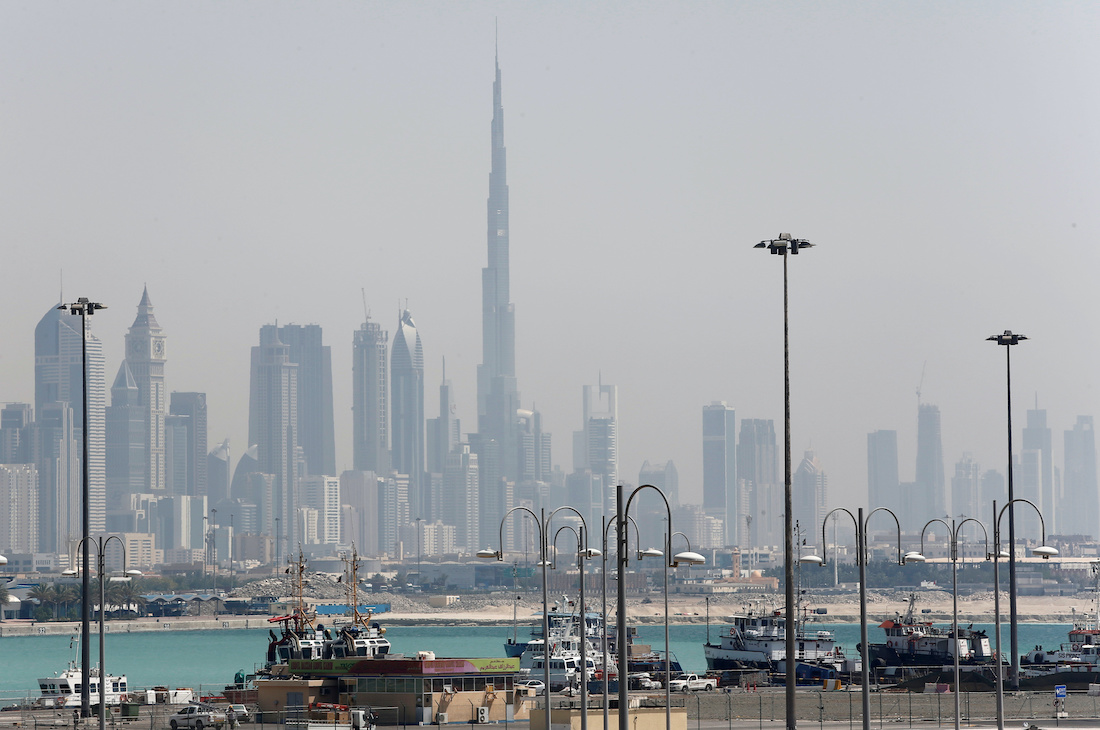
{"x":254,"y":161}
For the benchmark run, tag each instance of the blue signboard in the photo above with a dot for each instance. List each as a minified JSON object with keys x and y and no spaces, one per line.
{"x":1059,"y":690}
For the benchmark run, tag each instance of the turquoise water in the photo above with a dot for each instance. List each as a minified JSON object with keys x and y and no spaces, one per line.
{"x":207,"y":660}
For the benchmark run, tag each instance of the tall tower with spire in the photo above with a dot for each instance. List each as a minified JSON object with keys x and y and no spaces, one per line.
{"x":497,"y":391}
{"x":146,"y":356}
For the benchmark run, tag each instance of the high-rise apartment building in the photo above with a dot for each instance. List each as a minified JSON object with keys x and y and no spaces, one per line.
{"x":146,"y":357}
{"x":58,"y":379}
{"x":882,"y":471}
{"x":18,"y":508}
{"x":316,"y":427}
{"x":930,"y":500}
{"x":322,"y":495}
{"x":273,"y":428}
{"x":407,"y":380}
{"x":57,"y":457}
{"x":193,"y":407}
{"x":720,"y":468}
{"x":1079,"y":484}
{"x":761,"y":491}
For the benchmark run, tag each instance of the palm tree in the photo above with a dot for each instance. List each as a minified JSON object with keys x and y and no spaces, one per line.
{"x":4,"y":595}
{"x":127,"y":596}
{"x":43,"y":595}
{"x":66,"y":595}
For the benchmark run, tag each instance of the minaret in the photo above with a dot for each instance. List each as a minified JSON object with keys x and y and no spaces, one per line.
{"x":146,"y":356}
{"x":497,"y":393}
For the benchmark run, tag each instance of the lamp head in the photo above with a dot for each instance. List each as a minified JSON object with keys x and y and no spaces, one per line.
{"x":1008,"y":338}
{"x":489,"y":554}
{"x":133,"y":573}
{"x":591,"y":553}
{"x":1045,"y":552}
{"x":687,"y":558}
{"x":813,"y":560}
{"x":649,"y":553}
{"x":3,"y":560}
{"x":913,"y":557}
{"x":69,"y":572}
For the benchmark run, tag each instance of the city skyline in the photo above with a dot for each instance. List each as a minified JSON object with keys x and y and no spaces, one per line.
{"x":936,"y":205}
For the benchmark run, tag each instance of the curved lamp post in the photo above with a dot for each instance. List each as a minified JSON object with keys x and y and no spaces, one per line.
{"x":85,"y":309}
{"x":953,"y":529}
{"x":1008,"y":339}
{"x":861,"y":561}
{"x":781,"y":246}
{"x":1044,"y":551}
{"x":100,"y":544}
{"x":620,"y":641}
{"x":623,"y":505}
{"x":543,"y":524}
{"x":685,"y":558}
{"x":583,"y":553}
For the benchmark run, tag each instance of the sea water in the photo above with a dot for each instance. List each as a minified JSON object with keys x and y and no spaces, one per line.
{"x":207,"y":660}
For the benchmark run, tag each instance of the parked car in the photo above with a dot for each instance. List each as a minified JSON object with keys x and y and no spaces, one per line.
{"x":535,"y":684}
{"x":197,"y":717}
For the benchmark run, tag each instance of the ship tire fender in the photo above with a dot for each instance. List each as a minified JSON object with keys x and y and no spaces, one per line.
{"x":1077,"y":647}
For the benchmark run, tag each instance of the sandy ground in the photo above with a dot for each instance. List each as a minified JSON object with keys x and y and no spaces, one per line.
{"x":839,"y":608}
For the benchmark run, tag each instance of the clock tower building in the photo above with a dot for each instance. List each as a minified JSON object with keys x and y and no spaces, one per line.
{"x":146,"y":356}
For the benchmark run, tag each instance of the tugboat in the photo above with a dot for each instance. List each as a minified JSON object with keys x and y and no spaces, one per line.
{"x":759,"y":641}
{"x":919,"y":643}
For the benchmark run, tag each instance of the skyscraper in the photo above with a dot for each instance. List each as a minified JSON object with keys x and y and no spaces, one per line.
{"x":882,"y":471}
{"x":407,"y":374}
{"x":444,"y":432}
{"x":931,"y":498}
{"x":58,"y":379}
{"x":126,"y":447}
{"x":596,"y":445}
{"x":273,"y":428}
{"x":966,"y":489}
{"x":1080,"y":485}
{"x":316,"y":427}
{"x":370,"y":399}
{"x":146,"y":357}
{"x":810,"y":494}
{"x":758,"y":481}
{"x":193,"y":406}
{"x":720,"y":468}
{"x":497,"y":390}
{"x":1037,"y":437}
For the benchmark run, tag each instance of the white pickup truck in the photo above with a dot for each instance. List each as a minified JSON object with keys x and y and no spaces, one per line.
{"x":197,"y":717}
{"x":692,"y":683}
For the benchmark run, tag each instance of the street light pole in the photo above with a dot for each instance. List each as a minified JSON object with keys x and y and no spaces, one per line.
{"x":1008,"y":339}
{"x":953,"y":551}
{"x":100,"y":544}
{"x":861,"y":562}
{"x":1045,"y":552}
{"x":781,"y":246}
{"x":85,"y":309}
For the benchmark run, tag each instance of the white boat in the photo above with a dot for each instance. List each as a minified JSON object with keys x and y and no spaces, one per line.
{"x":63,"y":690}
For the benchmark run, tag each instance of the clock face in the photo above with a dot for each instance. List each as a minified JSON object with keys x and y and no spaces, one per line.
{"x":135,"y":347}
{"x":158,"y":348}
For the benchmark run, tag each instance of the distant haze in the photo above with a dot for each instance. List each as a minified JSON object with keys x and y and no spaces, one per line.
{"x":253,"y":162}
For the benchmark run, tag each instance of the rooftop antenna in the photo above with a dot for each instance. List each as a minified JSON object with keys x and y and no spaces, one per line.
{"x":366,"y":311}
{"x":921,"y":383}
{"x":61,"y":285}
